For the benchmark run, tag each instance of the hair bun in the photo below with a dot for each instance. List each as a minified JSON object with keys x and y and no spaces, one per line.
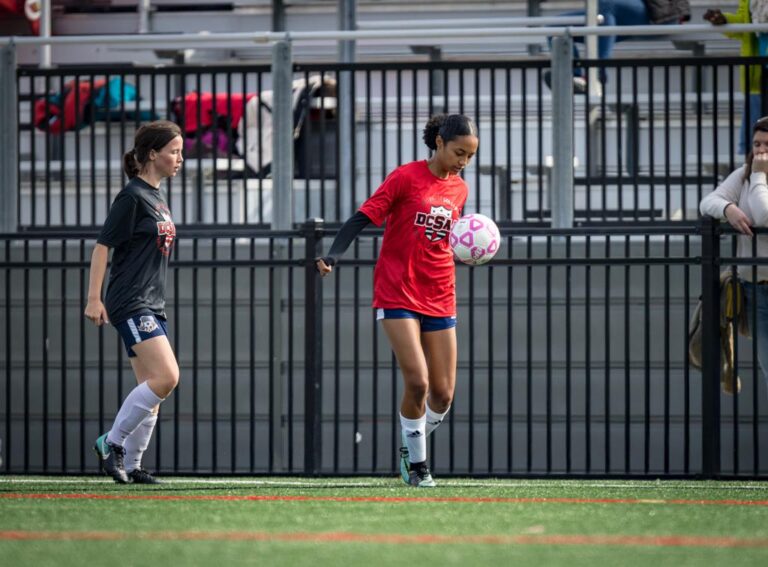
{"x":448,"y":127}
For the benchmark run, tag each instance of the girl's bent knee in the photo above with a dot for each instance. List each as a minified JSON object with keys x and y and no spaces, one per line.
{"x":172,"y":380}
{"x":165,"y":383}
{"x":440,"y":401}
{"x":417,"y":390}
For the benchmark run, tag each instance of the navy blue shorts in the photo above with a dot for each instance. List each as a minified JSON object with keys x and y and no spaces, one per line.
{"x":427,"y":323}
{"x":140,"y":327}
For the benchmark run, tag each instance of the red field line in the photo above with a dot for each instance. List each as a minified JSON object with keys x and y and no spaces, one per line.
{"x":397,"y":539}
{"x":385,"y":499}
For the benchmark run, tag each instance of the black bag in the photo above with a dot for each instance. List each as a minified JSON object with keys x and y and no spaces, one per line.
{"x":661,"y":12}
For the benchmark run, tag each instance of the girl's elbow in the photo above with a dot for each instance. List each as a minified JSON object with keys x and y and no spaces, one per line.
{"x":761,"y":220}
{"x":705,"y":208}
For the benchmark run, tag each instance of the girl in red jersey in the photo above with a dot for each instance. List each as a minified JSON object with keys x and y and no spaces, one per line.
{"x":414,"y":282}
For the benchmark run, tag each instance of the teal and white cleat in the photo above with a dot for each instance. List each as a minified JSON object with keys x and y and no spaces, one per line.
{"x":111,"y":459}
{"x":405,"y":464}
{"x":420,"y":477}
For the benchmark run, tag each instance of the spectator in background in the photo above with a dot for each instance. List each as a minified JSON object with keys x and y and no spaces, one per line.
{"x":625,"y":13}
{"x":742,"y":200}
{"x":750,"y":74}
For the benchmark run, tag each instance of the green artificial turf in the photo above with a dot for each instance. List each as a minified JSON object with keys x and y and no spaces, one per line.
{"x":370,"y":522}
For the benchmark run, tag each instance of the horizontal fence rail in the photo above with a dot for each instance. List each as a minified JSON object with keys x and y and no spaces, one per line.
{"x":659,"y":135}
{"x":185,"y":40}
{"x":572,"y":359}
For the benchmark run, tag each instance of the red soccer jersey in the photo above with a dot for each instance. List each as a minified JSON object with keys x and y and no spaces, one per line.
{"x":415,"y":269}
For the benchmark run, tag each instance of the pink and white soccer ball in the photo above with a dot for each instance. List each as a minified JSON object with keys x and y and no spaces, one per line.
{"x":475,"y":239}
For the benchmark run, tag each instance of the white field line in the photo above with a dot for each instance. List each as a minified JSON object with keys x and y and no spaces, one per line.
{"x":384,"y":483}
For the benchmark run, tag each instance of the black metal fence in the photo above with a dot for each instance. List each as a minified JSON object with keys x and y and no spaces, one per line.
{"x":676,"y":135}
{"x":572,"y":359}
{"x":661,"y":134}
{"x":64,"y":377}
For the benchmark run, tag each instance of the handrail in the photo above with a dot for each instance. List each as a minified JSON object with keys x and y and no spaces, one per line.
{"x":473,"y":22}
{"x":459,"y":34}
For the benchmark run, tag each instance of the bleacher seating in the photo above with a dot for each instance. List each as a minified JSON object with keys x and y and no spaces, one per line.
{"x":172,"y":16}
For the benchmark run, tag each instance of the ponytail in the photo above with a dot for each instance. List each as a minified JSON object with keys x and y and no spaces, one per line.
{"x":130,"y":165}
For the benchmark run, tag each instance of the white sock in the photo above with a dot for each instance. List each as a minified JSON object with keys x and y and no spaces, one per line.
{"x":434,"y":419}
{"x":137,"y":406}
{"x":137,"y":442}
{"x":415,"y":439}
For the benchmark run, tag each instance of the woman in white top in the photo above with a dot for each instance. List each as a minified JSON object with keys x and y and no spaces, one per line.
{"x":742,"y":200}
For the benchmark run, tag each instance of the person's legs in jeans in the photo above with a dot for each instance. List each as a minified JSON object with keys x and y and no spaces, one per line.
{"x":749,"y":116}
{"x":605,"y":43}
{"x":576,"y":54}
{"x":614,"y":13}
{"x":757,"y":318}
{"x":626,"y":13}
{"x":619,"y":13}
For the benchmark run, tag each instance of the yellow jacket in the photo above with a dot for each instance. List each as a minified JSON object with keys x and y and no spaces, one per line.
{"x":748,"y":45}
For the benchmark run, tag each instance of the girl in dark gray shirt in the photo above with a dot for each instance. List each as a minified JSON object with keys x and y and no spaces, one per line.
{"x":140,"y":229}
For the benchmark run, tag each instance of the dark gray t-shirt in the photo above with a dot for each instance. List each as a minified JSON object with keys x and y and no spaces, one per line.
{"x":140,"y":229}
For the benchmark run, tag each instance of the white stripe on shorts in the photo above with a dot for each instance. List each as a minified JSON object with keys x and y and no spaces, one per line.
{"x":379,"y":314}
{"x":134,"y":330}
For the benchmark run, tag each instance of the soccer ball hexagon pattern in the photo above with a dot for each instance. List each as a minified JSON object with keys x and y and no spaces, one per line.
{"x":475,"y":239}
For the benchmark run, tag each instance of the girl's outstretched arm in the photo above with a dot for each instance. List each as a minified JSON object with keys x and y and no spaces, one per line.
{"x":347,"y":233}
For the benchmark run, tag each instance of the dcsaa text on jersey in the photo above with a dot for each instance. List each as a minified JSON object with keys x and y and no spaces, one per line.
{"x":438,"y":223}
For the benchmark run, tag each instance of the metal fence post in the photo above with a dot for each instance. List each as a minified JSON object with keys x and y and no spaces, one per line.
{"x":9,"y":156}
{"x":313,"y":351}
{"x":282,"y":219}
{"x":710,"y":346}
{"x":46,"y":15}
{"x":346,"y":112}
{"x":590,"y":43}
{"x":145,"y":16}
{"x":533,"y":10}
{"x":278,"y":15}
{"x":282,"y":141}
{"x":346,"y":169}
{"x":561,"y":187}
